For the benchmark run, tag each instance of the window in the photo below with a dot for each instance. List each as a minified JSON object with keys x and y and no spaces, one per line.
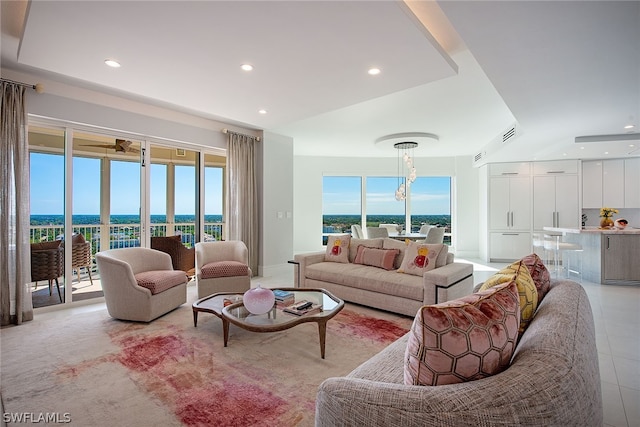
{"x":428,"y":202}
{"x":341,"y":204}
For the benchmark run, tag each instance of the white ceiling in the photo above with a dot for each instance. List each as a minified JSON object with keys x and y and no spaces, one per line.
{"x":465,"y":71}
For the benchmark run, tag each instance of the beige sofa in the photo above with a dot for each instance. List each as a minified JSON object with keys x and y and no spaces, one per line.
{"x":553,"y":380}
{"x":379,"y":288}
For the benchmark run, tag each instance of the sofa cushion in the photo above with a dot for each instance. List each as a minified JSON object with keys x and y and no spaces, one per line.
{"x":465,"y":339}
{"x":381,"y":258}
{"x":526,"y":289}
{"x":420,"y":257}
{"x":539,"y":274}
{"x":217,"y":269}
{"x":338,"y":248}
{"x":160,"y":280}
{"x":368,"y":278}
{"x":369,"y":243}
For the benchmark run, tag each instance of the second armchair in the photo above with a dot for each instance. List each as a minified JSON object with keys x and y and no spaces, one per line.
{"x":222,"y":267}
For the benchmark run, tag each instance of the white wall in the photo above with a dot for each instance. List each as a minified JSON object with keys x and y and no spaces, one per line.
{"x":276,"y":240}
{"x":307,"y":191}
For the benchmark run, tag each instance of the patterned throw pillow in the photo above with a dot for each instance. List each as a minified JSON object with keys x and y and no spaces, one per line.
{"x":465,"y":339}
{"x":355,"y":243}
{"x":400,"y":245}
{"x":419,"y":257}
{"x":526,"y":288}
{"x":539,"y":274}
{"x":381,"y":258}
{"x":338,"y":249}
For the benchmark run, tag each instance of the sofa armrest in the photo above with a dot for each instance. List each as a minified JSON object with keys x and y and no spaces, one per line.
{"x":447,"y":282}
{"x":305,"y":260}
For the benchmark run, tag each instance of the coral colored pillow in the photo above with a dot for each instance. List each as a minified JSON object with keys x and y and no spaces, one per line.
{"x":465,"y":339}
{"x":539,"y":274}
{"x":419,"y":257}
{"x":382,"y":258}
{"x":526,"y":288}
{"x":338,"y":249}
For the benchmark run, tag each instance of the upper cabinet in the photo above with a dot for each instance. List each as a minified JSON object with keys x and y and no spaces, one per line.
{"x":555,"y":194}
{"x":612,"y":183}
{"x":510,"y":169}
{"x":632,"y":183}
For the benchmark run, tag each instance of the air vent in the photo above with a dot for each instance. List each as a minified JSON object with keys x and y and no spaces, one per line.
{"x":478,"y":157}
{"x":180,"y":152}
{"x":508,"y":135}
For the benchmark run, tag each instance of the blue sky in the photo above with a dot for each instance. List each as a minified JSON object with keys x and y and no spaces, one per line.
{"x":341,"y":196}
{"x":47,"y":187}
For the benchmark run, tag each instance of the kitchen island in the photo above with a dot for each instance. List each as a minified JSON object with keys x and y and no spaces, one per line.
{"x":610,"y":256}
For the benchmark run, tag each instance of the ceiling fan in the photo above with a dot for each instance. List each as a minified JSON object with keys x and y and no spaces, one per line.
{"x":121,"y":145}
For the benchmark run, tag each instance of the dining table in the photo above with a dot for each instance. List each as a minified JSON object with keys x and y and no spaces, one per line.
{"x":409,"y":236}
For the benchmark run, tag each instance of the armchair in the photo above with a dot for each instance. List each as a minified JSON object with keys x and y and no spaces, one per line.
{"x":140,"y":284}
{"x":222,"y":266}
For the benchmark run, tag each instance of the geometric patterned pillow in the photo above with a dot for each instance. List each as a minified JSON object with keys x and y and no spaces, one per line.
{"x":338,"y":249}
{"x":539,"y":274}
{"x":160,"y":280}
{"x":526,"y":289}
{"x":465,"y":339}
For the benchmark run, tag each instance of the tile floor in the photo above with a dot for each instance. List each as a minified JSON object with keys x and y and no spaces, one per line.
{"x":616,"y":311}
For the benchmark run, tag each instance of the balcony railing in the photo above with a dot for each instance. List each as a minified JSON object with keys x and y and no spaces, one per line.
{"x":125,"y":235}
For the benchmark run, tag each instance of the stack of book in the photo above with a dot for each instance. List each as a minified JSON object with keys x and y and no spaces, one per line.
{"x":303,"y":307}
{"x":284,"y":298}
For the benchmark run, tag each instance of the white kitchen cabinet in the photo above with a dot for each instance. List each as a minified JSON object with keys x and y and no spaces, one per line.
{"x":632,"y":183}
{"x":509,"y":246}
{"x":510,"y":169}
{"x":592,"y":184}
{"x":556,"y":167}
{"x":555,"y":202}
{"x":607,"y":183}
{"x":613,"y":183}
{"x":509,"y":203}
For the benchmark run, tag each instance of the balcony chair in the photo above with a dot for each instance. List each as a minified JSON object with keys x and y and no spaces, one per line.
{"x":47,"y":263}
{"x":182,"y":258}
{"x":140,"y":284}
{"x":222,"y":266}
{"x":80,"y":255}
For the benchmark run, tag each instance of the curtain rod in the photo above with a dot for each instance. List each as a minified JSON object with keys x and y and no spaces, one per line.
{"x":38,"y":87}
{"x":257,"y":138}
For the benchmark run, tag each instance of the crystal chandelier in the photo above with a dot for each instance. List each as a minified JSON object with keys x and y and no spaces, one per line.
{"x":406,"y":169}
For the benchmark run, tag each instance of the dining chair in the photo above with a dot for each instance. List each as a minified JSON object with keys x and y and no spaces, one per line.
{"x":374,"y":232}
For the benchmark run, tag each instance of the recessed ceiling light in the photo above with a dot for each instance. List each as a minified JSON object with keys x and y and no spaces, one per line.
{"x":582,"y":148}
{"x":631,"y":145}
{"x":629,"y":126}
{"x":262,"y":111}
{"x":112,"y":63}
{"x":374,"y":71}
{"x":564,"y":154}
{"x":606,"y":152}
{"x":247,"y":67}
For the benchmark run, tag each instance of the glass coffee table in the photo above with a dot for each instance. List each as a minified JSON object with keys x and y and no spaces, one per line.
{"x":275,"y":320}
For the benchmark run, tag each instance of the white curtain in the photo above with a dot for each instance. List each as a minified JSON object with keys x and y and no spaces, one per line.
{"x":242,"y":221}
{"x":15,"y":252}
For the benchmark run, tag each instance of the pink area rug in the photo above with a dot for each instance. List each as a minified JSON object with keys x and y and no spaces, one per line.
{"x":102,"y":371}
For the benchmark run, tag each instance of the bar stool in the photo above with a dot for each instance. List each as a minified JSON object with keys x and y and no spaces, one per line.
{"x":553,"y":244}
{"x":537,"y":241}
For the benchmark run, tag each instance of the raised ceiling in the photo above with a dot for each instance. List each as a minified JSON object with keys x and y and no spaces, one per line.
{"x":465,"y":71}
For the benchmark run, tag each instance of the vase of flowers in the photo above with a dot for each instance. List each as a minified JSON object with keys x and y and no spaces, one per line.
{"x":605,"y":217}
